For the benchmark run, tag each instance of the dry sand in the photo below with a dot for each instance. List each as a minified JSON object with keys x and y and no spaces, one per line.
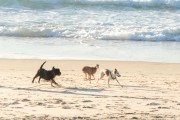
{"x":150,"y":91}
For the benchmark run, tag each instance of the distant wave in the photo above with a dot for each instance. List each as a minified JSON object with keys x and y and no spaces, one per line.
{"x":165,"y":35}
{"x":56,"y":4}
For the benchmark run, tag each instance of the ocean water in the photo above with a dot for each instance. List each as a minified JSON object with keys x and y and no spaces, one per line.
{"x":128,"y":30}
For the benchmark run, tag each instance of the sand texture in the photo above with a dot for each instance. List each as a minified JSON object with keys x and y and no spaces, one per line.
{"x":150,"y":91}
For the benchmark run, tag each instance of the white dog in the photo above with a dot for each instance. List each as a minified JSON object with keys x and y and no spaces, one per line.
{"x":110,"y":74}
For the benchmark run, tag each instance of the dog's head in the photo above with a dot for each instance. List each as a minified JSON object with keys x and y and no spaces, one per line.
{"x":56,"y":71}
{"x":97,"y":66}
{"x":117,"y":73}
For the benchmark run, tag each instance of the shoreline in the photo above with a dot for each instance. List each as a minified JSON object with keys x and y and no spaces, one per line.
{"x":150,"y":91}
{"x":104,"y":60}
{"x":64,"y":49}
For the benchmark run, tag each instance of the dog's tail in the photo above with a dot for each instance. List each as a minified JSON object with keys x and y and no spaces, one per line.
{"x":42,"y":65}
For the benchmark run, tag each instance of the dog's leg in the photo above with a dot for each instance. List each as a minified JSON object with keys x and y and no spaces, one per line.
{"x":118,"y":82}
{"x":37,"y":74}
{"x":101,"y":77}
{"x":93,"y":77}
{"x":108,"y":81}
{"x":39,"y":80}
{"x":90,"y":79}
{"x":98,"y":80}
{"x":53,"y":81}
{"x":85,"y":76}
{"x":51,"y":84}
{"x":89,"y":76}
{"x":33,"y":79}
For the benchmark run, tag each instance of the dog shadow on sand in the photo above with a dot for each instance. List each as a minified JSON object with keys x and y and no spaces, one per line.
{"x":64,"y":90}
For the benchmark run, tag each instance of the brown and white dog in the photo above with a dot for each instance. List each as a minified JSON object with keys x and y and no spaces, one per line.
{"x":110,"y":74}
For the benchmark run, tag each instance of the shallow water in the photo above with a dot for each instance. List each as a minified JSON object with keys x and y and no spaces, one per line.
{"x":57,"y":48}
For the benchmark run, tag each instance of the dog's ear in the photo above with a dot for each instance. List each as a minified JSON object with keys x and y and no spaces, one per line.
{"x":53,"y":68}
{"x":115,"y":70}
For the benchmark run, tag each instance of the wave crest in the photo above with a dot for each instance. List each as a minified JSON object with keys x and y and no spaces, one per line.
{"x":165,"y":35}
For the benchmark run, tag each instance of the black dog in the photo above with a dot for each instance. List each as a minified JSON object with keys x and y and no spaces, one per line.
{"x":47,"y":74}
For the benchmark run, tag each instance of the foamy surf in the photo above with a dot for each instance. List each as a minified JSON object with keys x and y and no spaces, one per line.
{"x":86,"y":29}
{"x":165,"y":35}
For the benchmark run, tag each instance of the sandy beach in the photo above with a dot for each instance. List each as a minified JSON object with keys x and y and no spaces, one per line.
{"x":150,"y":91}
{"x":140,"y":38}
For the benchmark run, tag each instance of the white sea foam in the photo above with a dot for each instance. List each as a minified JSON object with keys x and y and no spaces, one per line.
{"x":102,"y":34}
{"x":92,"y":23}
{"x":86,"y":28}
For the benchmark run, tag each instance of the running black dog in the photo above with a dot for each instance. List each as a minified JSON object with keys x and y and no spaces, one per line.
{"x":47,"y":74}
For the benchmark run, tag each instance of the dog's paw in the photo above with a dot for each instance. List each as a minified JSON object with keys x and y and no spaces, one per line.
{"x":59,"y":85}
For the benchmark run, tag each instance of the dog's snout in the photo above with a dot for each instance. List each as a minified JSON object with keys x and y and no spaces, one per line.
{"x":59,"y":73}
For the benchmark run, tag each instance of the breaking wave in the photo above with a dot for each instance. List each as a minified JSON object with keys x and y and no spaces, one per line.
{"x":165,"y":35}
